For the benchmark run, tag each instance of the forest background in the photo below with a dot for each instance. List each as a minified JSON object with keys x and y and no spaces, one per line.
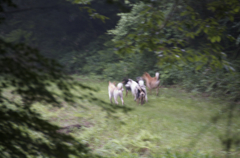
{"x":194,"y":44}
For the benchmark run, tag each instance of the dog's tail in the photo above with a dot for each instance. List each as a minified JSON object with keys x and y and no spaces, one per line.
{"x":141,"y":83}
{"x":120,"y":86}
{"x":157,"y":75}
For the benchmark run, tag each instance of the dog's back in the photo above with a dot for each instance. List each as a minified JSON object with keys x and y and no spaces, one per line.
{"x":111,"y":87}
{"x":134,"y":85}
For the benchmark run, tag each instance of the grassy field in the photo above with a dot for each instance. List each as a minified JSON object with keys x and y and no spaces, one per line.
{"x":173,"y":122}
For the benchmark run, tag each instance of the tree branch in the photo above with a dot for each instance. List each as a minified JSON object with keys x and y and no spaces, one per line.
{"x":28,"y":9}
{"x":168,"y":17}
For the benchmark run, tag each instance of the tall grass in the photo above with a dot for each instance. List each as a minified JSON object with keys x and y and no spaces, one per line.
{"x":173,"y":124}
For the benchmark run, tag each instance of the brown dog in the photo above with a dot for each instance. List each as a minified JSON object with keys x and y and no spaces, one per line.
{"x":152,"y":82}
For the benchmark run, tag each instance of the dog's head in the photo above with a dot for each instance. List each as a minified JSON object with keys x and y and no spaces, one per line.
{"x":125,"y":81}
{"x":111,"y":84}
{"x":139,"y":79}
{"x":129,"y":82}
{"x":145,"y":75}
{"x":142,"y":94}
{"x":142,"y":97}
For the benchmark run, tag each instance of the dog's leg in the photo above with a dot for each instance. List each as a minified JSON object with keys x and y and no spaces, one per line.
{"x":122,"y":101}
{"x":157,"y":90}
{"x":115,"y":95}
{"x":150,"y":92}
{"x":134,"y":94}
{"x":121,"y":96}
{"x":142,"y":100}
{"x":126,"y":92}
{"x":138,"y":101}
{"x":110,"y":97}
{"x":135,"y":97}
{"x":115,"y":98}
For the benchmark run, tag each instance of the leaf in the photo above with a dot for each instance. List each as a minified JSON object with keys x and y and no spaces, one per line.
{"x":198,"y":67}
{"x":236,"y":9}
{"x":212,"y":39}
{"x":180,"y":28}
{"x":237,"y":40}
{"x":205,"y":30}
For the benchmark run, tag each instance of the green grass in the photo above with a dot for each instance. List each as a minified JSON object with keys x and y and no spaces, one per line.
{"x":174,"y":121}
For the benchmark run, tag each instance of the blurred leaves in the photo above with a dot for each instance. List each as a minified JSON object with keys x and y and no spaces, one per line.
{"x":190,"y":42}
{"x":32,"y":78}
{"x":27,"y":78}
{"x":157,"y":27}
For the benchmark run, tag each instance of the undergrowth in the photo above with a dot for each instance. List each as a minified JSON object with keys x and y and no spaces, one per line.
{"x":174,"y":124}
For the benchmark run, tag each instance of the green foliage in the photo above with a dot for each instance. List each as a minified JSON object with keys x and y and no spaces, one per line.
{"x":19,"y":36}
{"x":99,"y":58}
{"x":218,"y":82}
{"x":29,"y":76}
{"x":116,"y":70}
{"x":27,"y":79}
{"x":157,"y":27}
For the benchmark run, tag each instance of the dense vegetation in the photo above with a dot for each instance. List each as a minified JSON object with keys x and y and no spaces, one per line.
{"x":193,"y":44}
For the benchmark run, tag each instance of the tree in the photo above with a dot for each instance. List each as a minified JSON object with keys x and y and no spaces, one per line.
{"x":172,"y":29}
{"x":28,"y":78}
{"x":56,"y":27}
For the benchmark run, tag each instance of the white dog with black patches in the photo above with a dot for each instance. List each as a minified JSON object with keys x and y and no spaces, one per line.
{"x":143,"y":93}
{"x":128,"y":88}
{"x":114,"y":92}
{"x":134,"y":88}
